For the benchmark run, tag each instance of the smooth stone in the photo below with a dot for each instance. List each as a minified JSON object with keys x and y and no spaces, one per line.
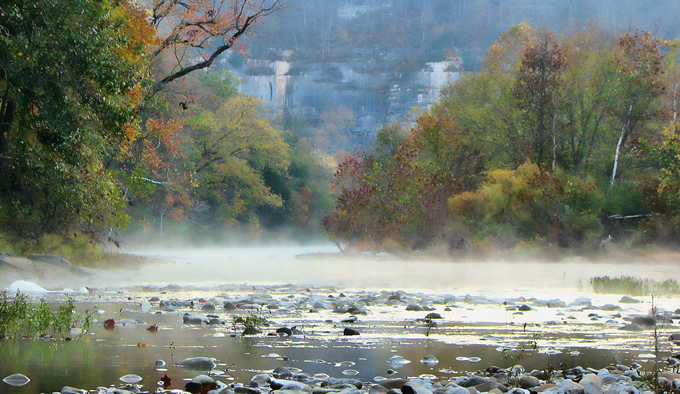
{"x":130,"y":378}
{"x":524,"y":308}
{"x":145,"y":306}
{"x":414,"y":307}
{"x":433,"y":315}
{"x":488,"y":386}
{"x":472,"y":381}
{"x":208,"y":307}
{"x":429,"y":361}
{"x":261,"y":379}
{"x":350,"y":331}
{"x":412,"y":387}
{"x":283,"y":384}
{"x":528,"y":381}
{"x":16,"y":380}
{"x":592,"y":388}
{"x":629,"y":300}
{"x":592,"y":378}
{"x":192,"y":318}
{"x":337,"y":381}
{"x":377,"y":389}
{"x":197,"y":363}
{"x":392,"y":384}
{"x":199,"y":384}
{"x":398,"y":361}
{"x":72,"y":390}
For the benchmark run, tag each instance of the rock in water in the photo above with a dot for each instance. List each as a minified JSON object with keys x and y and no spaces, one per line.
{"x":23,"y":286}
{"x":130,"y":378}
{"x":16,"y":380}
{"x":197,"y":363}
{"x":398,"y":362}
{"x":350,"y":331}
{"x":429,"y":361}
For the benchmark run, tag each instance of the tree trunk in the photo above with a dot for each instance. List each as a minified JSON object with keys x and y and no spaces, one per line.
{"x":616,"y":156}
{"x":624,"y":133}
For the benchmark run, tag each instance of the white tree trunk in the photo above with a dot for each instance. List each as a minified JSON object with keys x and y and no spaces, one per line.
{"x":624,"y":130}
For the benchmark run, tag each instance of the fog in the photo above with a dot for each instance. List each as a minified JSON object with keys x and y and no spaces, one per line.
{"x":323,"y":266}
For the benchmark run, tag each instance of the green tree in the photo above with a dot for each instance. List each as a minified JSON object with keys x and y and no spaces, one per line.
{"x":71,"y":76}
{"x":232,"y":147}
{"x":638,"y":84}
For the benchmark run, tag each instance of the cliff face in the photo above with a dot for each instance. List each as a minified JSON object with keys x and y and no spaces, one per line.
{"x":376,"y":92}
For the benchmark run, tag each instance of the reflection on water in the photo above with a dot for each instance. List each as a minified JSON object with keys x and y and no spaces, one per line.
{"x":476,"y":324}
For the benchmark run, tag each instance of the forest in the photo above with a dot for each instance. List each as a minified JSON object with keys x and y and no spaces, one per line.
{"x":115,"y":124}
{"x":113,"y":121}
{"x":560,"y":141}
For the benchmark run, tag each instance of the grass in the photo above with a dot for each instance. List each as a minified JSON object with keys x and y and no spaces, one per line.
{"x":79,"y":250}
{"x":251,"y":323}
{"x":20,"y":318}
{"x":633,"y":286}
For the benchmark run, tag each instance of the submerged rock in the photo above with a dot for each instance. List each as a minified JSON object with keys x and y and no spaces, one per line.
{"x":197,"y":363}
{"x":16,"y":380}
{"x":429,"y":361}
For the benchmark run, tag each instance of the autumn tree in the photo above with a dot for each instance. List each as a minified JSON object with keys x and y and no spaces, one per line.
{"x":72,"y":73}
{"x":195,"y":33}
{"x":232,"y":147}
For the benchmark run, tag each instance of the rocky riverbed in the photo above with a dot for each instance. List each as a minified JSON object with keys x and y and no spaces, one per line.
{"x":323,"y":339}
{"x":373,"y":335}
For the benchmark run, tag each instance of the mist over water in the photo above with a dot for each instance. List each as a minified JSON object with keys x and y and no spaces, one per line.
{"x":323,"y":265}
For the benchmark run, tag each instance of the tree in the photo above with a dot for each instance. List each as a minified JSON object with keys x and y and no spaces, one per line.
{"x":232,"y":147}
{"x":638,"y":83}
{"x":537,"y":93}
{"x":584,"y":104}
{"x":196,"y":32}
{"x":72,"y":74}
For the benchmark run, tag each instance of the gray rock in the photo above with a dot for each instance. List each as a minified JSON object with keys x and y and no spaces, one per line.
{"x":335,"y":381}
{"x":283,"y":384}
{"x":350,"y":331}
{"x":72,"y":390}
{"x":414,"y":307}
{"x":472,"y":381}
{"x":197,"y":363}
{"x":527,"y":382}
{"x":433,"y":315}
{"x":193,"y":318}
{"x":412,"y":387}
{"x":629,"y":300}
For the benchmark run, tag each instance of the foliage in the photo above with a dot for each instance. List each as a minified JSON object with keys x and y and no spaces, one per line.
{"x":18,"y":317}
{"x":518,"y":156}
{"x":634,"y":286}
{"x":66,"y":100}
{"x":251,"y":324}
{"x":526,"y":203}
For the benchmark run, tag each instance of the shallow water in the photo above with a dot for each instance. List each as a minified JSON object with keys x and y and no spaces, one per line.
{"x":478,"y":327}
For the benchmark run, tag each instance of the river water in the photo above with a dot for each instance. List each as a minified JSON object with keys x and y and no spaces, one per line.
{"x":475,"y":300}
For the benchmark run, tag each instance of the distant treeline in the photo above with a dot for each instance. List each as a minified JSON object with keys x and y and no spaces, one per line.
{"x":560,"y":141}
